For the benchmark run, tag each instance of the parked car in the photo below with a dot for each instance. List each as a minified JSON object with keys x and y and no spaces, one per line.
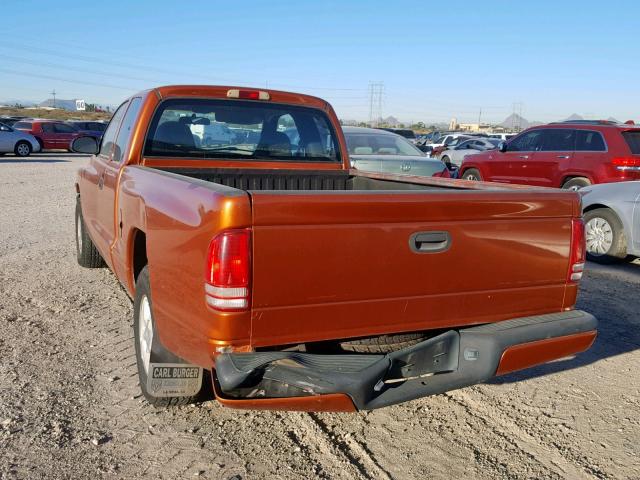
{"x":50,"y":134}
{"x":89,"y":128}
{"x":502,"y":136}
{"x":569,"y":155}
{"x":612,"y":221}
{"x":454,"y":155}
{"x":375,"y":150}
{"x":404,"y":132}
{"x":257,"y":261}
{"x":450,"y":141}
{"x":16,"y":141}
{"x":9,"y":121}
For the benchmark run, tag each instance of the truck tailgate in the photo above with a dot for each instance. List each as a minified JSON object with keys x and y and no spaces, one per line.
{"x":331,"y":265}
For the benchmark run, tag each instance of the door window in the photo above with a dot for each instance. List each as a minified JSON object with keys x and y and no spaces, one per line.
{"x":62,"y":128}
{"x":125,"y":129}
{"x":109,"y":137}
{"x":527,"y":142}
{"x":47,"y":128}
{"x":558,"y":140}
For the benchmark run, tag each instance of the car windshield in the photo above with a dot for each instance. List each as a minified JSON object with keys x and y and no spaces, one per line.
{"x":237,"y":129}
{"x":379,"y":144}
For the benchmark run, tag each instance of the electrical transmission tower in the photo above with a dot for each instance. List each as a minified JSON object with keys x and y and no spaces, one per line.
{"x":517,"y":115}
{"x":54,"y":97}
{"x":376,"y":92}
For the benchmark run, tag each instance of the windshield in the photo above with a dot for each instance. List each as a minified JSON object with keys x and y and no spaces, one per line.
{"x":201,"y":128}
{"x":384,"y":144}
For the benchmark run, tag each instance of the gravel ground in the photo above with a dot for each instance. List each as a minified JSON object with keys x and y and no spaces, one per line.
{"x":70,"y":405}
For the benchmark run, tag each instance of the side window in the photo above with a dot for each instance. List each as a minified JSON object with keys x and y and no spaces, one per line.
{"x":558,"y":140}
{"x":109,"y":137}
{"x":527,"y":142}
{"x":47,"y":128}
{"x":62,"y":128}
{"x":589,"y":141}
{"x":125,"y":130}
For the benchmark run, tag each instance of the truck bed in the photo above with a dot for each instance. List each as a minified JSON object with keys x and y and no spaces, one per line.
{"x":338,"y":245}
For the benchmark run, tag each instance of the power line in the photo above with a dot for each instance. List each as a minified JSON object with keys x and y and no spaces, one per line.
{"x":376,"y":90}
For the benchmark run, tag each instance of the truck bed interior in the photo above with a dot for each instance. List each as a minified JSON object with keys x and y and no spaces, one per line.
{"x":297,"y":180}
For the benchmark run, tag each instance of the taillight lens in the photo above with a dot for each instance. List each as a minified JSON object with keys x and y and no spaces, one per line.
{"x":228,"y":270}
{"x":578,"y":251}
{"x":626,"y":163}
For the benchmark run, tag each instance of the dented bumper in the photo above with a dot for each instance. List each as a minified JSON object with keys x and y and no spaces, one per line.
{"x":454,"y":359}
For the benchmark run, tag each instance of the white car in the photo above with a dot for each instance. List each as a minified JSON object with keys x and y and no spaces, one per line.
{"x":454,"y":155}
{"x":612,"y":220}
{"x":502,"y":136}
{"x":20,"y":143}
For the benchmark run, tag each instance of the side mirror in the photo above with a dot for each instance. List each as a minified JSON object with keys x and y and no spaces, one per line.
{"x":85,"y":145}
{"x":502,"y":147}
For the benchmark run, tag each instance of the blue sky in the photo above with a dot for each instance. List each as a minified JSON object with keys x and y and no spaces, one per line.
{"x":436,"y":59}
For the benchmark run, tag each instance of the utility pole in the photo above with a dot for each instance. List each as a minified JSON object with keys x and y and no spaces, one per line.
{"x":54,"y":97}
{"x":376,"y":91}
{"x":479,"y":117}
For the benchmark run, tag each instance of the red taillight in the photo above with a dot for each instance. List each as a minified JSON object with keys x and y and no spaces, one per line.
{"x":578,"y":251}
{"x":248,"y":94}
{"x":229,"y":270}
{"x":626,"y":162}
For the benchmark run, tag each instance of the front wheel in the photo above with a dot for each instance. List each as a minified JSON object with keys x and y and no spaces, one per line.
{"x":86,"y":252}
{"x":22,"y":149}
{"x":605,"y":238}
{"x":165,"y":379}
{"x":472,"y":174}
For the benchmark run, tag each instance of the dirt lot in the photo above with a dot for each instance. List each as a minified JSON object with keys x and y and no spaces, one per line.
{"x":70,"y":406}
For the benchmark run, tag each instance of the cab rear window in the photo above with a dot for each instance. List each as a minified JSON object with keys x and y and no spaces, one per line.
{"x":632,"y":137}
{"x":240,"y":130}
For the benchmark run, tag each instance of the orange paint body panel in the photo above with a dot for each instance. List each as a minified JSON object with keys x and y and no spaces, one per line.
{"x":531,"y":354}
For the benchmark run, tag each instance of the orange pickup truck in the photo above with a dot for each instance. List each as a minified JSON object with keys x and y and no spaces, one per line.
{"x":267,"y":272}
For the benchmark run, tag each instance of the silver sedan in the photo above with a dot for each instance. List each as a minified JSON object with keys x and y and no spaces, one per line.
{"x":455,"y":154}
{"x":16,"y":141}
{"x":612,"y":220}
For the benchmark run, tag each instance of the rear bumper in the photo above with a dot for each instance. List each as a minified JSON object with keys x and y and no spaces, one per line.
{"x":347,"y":382}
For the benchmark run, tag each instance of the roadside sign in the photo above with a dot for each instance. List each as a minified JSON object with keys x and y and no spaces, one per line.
{"x":80,"y":105}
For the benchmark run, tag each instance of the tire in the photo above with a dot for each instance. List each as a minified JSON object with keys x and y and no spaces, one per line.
{"x":86,"y":252}
{"x":472,"y":174}
{"x":605,"y":238}
{"x":382,"y":343}
{"x":22,"y":149}
{"x":576,"y":183}
{"x":157,"y":352}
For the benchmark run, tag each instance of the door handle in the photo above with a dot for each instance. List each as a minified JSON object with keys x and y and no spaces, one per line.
{"x":101,"y":181}
{"x":429,"y":242}
{"x":523,"y":156}
{"x":564,"y":156}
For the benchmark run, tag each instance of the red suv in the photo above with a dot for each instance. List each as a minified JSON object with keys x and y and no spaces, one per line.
{"x":51,"y":134}
{"x":568,"y":154}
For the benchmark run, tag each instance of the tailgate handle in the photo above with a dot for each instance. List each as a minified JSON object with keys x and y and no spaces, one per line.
{"x":429,"y":242}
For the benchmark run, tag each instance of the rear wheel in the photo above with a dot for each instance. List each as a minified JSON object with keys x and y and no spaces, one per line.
{"x":605,"y":239}
{"x":576,"y":183}
{"x":22,"y":149}
{"x":472,"y":174}
{"x":150,"y":354}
